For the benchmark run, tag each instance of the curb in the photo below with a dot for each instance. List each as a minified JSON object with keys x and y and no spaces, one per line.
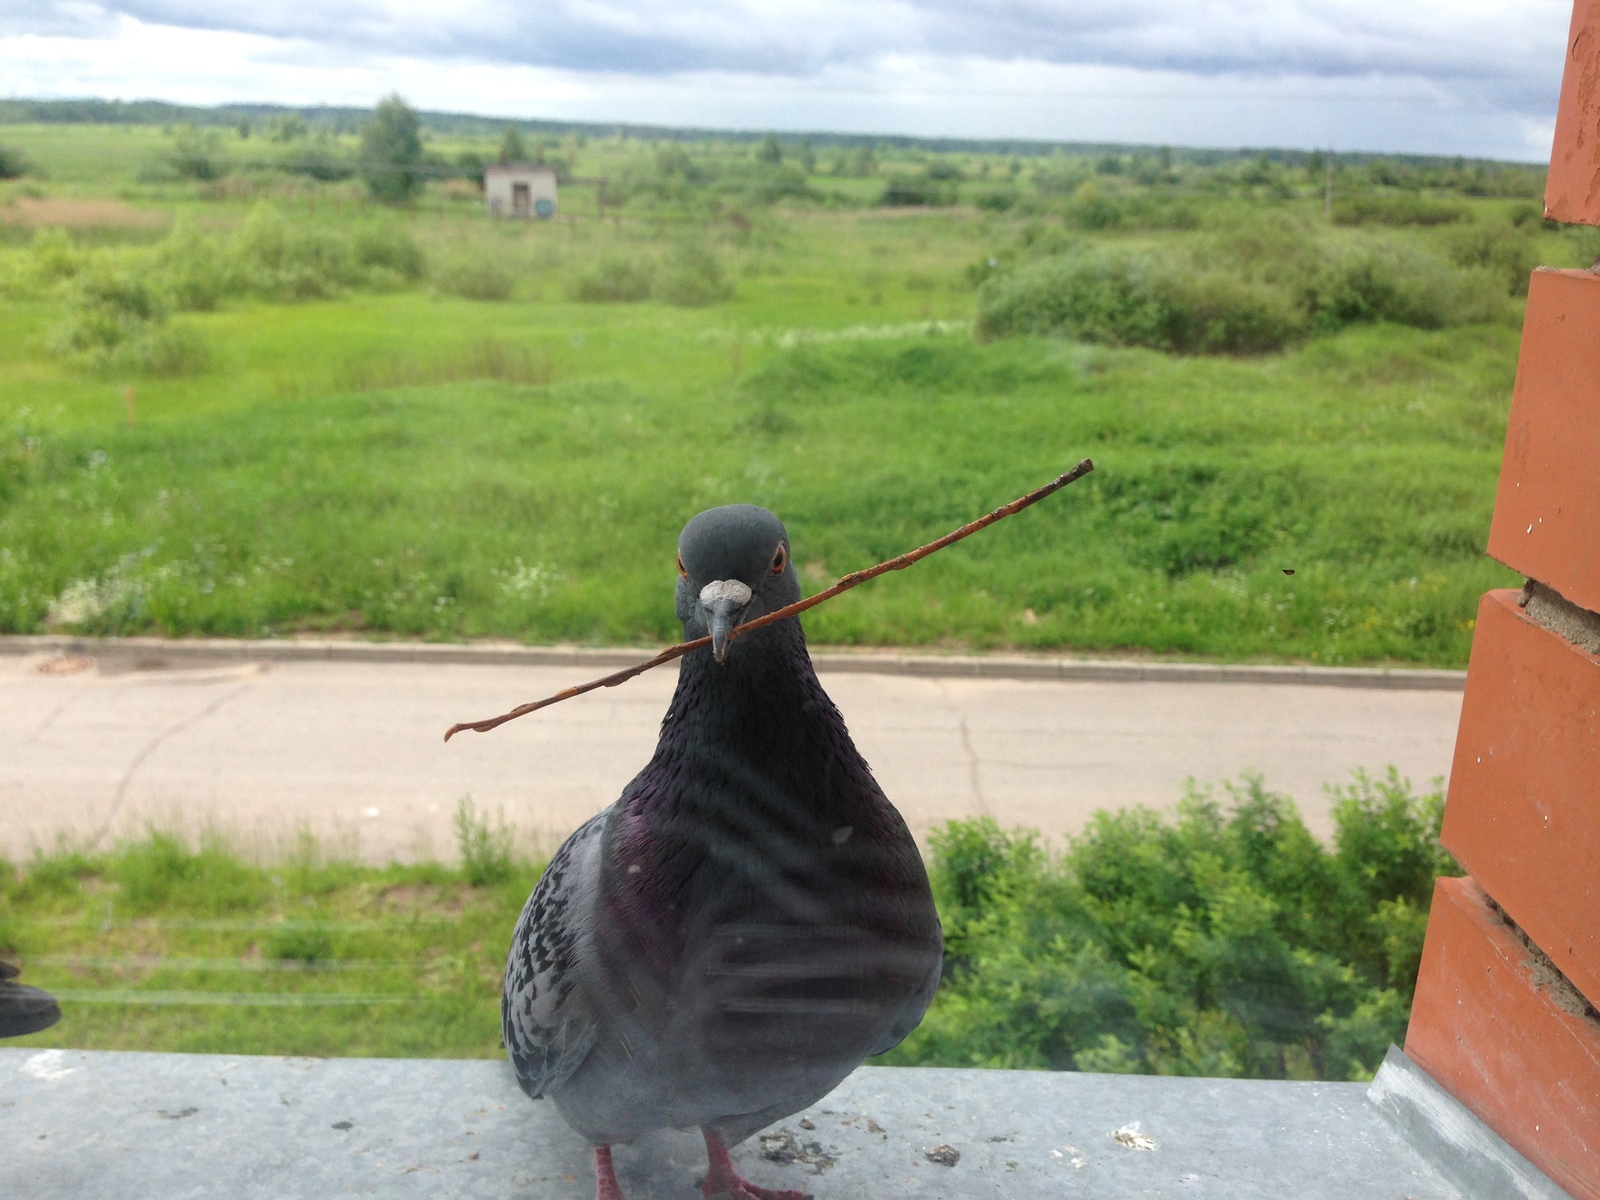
{"x":154,"y":653}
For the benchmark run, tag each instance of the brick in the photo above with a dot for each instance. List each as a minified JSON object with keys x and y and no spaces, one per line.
{"x":1502,"y":1036}
{"x":1547,"y":512}
{"x":1523,"y":813}
{"x":1572,"y":192}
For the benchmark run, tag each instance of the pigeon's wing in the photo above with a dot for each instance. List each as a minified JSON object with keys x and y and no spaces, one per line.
{"x":546,"y":1016}
{"x":910,"y":1014}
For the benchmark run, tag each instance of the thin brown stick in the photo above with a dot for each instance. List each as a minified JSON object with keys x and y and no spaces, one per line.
{"x":854,"y":579}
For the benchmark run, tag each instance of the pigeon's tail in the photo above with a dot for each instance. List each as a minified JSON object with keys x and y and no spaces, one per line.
{"x":24,"y":1009}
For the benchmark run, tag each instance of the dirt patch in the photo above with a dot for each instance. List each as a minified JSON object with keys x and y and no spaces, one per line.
{"x":81,"y":214}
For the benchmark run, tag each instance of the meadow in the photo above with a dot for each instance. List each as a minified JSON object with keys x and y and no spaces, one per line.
{"x":240,"y":397}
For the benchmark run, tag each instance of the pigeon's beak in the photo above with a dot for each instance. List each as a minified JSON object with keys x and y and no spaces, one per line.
{"x":723,"y":600}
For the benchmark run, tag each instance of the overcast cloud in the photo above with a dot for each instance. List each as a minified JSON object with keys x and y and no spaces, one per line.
{"x":1470,"y":77}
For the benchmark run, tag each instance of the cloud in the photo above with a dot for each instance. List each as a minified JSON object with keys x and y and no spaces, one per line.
{"x":1512,"y":43}
{"x":1473,"y":76}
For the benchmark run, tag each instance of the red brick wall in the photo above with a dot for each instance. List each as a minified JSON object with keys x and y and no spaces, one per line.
{"x":1504,"y":1015}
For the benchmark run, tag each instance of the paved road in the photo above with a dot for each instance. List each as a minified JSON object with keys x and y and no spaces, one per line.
{"x":353,"y":751}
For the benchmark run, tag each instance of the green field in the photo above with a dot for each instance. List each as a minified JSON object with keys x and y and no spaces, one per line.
{"x":239,"y":397}
{"x":415,"y":422}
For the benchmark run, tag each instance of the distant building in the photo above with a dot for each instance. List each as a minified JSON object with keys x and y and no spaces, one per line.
{"x":520,"y":190}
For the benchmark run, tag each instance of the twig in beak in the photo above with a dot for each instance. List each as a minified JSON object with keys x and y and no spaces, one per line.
{"x":854,"y":579}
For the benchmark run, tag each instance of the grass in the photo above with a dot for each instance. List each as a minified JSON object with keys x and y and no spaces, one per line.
{"x":170,"y":944}
{"x":1224,"y":941}
{"x":476,"y":453}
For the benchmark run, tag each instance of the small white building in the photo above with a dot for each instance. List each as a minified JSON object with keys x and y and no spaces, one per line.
{"x":520,"y":190}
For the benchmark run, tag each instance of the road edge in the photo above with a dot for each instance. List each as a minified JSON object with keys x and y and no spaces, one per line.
{"x":154,"y":653}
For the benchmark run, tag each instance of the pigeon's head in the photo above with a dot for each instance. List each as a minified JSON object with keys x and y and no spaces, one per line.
{"x":733,"y":566}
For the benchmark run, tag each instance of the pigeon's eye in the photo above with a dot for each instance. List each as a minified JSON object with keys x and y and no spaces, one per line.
{"x":682,"y":574}
{"x":780,"y":560}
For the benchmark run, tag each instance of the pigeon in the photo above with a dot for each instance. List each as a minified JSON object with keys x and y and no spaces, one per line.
{"x":749,"y":921}
{"x":24,"y":1009}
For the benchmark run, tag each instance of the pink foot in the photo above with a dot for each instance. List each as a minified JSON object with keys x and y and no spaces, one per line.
{"x":723,"y":1180}
{"x":605,"y":1176}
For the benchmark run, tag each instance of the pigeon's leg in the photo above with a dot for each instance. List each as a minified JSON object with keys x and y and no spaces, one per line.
{"x":605,"y":1176}
{"x":723,"y":1180}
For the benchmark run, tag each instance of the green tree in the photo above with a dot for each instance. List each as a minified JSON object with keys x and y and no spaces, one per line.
{"x":391,"y":150}
{"x":807,"y":157}
{"x":512,"y":146}
{"x":769,"y":151}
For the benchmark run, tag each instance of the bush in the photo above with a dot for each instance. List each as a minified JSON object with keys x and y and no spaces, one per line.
{"x":907,"y":191}
{"x":692,"y":278}
{"x":385,"y":252}
{"x":1118,"y":298}
{"x":51,"y":258}
{"x":1228,"y":941}
{"x":614,"y":281}
{"x":1248,"y":292}
{"x":1403,"y":209}
{"x":194,"y":153}
{"x":194,"y":269}
{"x":13,"y":163}
{"x":117,"y":322}
{"x":997,"y":199}
{"x":1506,"y":250}
{"x":475,"y":277}
{"x":1399,"y":282}
{"x":287,"y":260}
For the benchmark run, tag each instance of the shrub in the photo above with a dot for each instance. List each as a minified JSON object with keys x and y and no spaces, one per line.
{"x":383,"y":251}
{"x":1405,"y":209}
{"x":692,"y":277}
{"x":1228,"y":941}
{"x":907,"y":191}
{"x":286,"y":260}
{"x":13,"y":163}
{"x":1248,"y":291}
{"x":281,"y":259}
{"x":614,"y":281}
{"x":194,"y":269}
{"x":997,"y":199}
{"x":1396,"y":281}
{"x":475,"y":277}
{"x":1091,"y":210}
{"x":1119,"y":298}
{"x":1506,"y":250}
{"x":51,"y":257}
{"x":116,"y":321}
{"x":193,"y":153}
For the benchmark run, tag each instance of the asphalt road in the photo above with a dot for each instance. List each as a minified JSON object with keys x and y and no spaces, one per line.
{"x":353,"y":751}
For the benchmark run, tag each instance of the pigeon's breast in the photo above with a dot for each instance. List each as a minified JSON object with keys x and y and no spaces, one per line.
{"x":776,"y":929}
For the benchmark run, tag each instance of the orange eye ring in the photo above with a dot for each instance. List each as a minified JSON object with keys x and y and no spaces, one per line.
{"x":682,"y":574}
{"x":780,"y":560}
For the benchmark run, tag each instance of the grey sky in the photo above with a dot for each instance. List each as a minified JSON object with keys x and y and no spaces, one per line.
{"x":1470,"y":77}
